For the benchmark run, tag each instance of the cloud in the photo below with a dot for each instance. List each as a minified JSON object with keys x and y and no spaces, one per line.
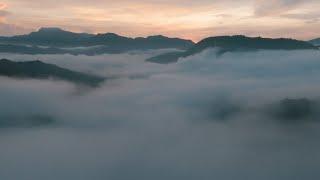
{"x":3,"y":12}
{"x":311,"y":17}
{"x":6,"y":28}
{"x":3,"y":5}
{"x":276,"y":7}
{"x":162,"y":121}
{"x":11,"y":29}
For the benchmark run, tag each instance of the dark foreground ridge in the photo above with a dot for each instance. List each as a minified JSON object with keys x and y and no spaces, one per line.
{"x":40,"y":70}
{"x":58,"y":41}
{"x":234,"y":43}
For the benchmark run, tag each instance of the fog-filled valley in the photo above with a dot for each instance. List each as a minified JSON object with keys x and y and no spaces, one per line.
{"x":240,"y":115}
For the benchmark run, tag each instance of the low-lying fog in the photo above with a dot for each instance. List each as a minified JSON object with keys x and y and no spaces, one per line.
{"x":205,"y":117}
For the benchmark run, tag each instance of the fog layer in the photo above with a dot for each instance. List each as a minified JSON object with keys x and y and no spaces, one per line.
{"x":205,"y":117}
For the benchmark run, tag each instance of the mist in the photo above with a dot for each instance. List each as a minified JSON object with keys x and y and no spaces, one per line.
{"x":204,"y":117}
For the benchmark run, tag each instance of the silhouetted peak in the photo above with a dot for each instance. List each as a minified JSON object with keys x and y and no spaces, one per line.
{"x":165,"y":38}
{"x":35,"y":62}
{"x":157,"y":37}
{"x":40,"y":70}
{"x":5,"y":61}
{"x":109,"y":35}
{"x":50,"y":29}
{"x":244,"y":42}
{"x":50,"y":33}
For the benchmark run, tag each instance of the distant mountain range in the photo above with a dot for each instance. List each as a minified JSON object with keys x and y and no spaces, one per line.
{"x":57,"y":41}
{"x":234,"y":43}
{"x":315,"y":42}
{"x":40,"y":70}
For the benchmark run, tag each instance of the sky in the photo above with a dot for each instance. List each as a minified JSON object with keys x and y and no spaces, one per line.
{"x":189,"y":19}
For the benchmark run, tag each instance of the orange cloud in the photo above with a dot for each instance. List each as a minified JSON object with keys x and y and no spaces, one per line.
{"x":3,"y":13}
{"x":2,"y":6}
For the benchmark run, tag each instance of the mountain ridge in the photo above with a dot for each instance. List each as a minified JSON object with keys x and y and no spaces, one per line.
{"x":57,"y":37}
{"x":234,"y":43}
{"x":40,"y":70}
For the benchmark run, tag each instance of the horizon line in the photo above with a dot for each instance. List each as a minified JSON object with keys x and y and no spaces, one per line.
{"x":135,"y":37}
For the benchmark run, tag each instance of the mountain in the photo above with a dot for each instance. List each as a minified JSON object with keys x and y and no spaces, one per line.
{"x":234,"y":43}
{"x":40,"y":70}
{"x":47,"y":37}
{"x":315,"y":42}
{"x":59,"y":39}
{"x":294,"y":109}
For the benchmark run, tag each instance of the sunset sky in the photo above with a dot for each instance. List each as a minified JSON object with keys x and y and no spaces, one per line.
{"x":192,"y":19}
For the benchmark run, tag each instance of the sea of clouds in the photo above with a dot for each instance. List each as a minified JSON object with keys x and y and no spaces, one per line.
{"x":201,"y":118}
